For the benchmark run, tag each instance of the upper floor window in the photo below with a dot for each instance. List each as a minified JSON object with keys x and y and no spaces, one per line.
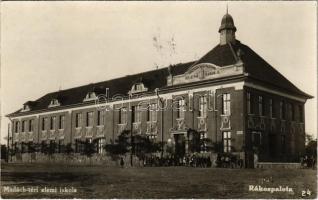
{"x":53,"y":123}
{"x":301,"y":113}
{"x":152,"y":112}
{"x":122,"y":116}
{"x":89,"y":119}
{"x":282,"y":110}
{"x":271,"y":108}
{"x":249,"y":103}
{"x":203,"y":106}
{"x":16,"y":127}
{"x":292,"y":112}
{"x":261,"y":106}
{"x":226,"y":104}
{"x":44,"y":123}
{"x":23,"y":126}
{"x":136,"y":113}
{"x":62,"y":122}
{"x":100,"y":117}
{"x":78,"y":120}
{"x":54,"y":102}
{"x":180,"y":108}
{"x":31,"y":122}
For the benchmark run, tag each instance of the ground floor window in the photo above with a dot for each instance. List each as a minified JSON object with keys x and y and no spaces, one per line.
{"x":227,"y":141}
{"x":256,"y":138}
{"x":43,"y":146}
{"x":283,"y":143}
{"x":61,"y":146}
{"x":203,"y":143}
{"x":78,"y":146}
{"x":100,"y":145}
{"x":52,"y":146}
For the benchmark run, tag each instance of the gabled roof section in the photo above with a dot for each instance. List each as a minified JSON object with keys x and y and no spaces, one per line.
{"x":254,"y":65}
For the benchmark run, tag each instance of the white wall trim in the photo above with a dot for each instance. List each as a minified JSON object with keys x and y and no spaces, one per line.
{"x":238,"y":86}
{"x":265,"y":89}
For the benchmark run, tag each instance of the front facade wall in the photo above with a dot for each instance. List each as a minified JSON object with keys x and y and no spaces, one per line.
{"x":212,"y":124}
{"x":274,"y":137}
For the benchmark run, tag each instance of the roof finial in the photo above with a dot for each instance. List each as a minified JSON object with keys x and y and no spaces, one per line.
{"x":227,"y":9}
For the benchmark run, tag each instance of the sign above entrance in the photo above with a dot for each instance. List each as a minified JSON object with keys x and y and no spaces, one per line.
{"x":205,"y":71}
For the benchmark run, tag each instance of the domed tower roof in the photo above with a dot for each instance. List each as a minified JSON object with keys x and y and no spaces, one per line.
{"x":227,"y":23}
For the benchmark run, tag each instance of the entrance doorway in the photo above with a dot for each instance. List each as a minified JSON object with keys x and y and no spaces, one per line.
{"x":179,"y":145}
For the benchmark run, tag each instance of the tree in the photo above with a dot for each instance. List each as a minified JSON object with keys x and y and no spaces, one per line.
{"x":143,"y":145}
{"x":68,"y":149}
{"x":89,"y":148}
{"x":120,"y":147}
{"x":4,"y":152}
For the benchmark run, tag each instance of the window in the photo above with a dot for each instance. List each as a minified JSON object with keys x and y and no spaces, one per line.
{"x":90,"y":95}
{"x":61,"y":146}
{"x":283,"y":143}
{"x":136,"y":114}
{"x":26,"y":107}
{"x":100,"y":117}
{"x":31,"y":125}
{"x":249,"y":103}
{"x":261,"y":106}
{"x":226,"y":104}
{"x":62,"y":122}
{"x":53,"y":123}
{"x":122,"y":116}
{"x":53,"y":145}
{"x":180,"y":108}
{"x":23,"y":126}
{"x":301,"y":113}
{"x":100,"y":145}
{"x":44,"y":123}
{"x":16,"y":128}
{"x":202,"y":106}
{"x":257,"y":138}
{"x":54,"y":103}
{"x":282,"y":110}
{"x":138,"y":87}
{"x":79,"y":146}
{"x":152,"y":113}
{"x":271,"y":108}
{"x":78,"y":120}
{"x":227,"y":141}
{"x":89,"y":119}
{"x":292,"y":112}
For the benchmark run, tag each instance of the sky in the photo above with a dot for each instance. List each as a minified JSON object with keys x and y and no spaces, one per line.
{"x":47,"y":46}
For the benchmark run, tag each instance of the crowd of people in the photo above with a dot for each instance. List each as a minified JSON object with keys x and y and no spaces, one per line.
{"x":204,"y":161}
{"x":308,"y":162}
{"x":190,"y":161}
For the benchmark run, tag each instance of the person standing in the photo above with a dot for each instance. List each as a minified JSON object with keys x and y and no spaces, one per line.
{"x":122,"y":163}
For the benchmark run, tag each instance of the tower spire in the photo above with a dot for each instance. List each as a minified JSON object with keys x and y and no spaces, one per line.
{"x":227,"y":9}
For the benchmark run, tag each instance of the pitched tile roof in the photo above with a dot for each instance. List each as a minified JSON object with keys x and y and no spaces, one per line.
{"x":221,"y":55}
{"x":254,"y":65}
